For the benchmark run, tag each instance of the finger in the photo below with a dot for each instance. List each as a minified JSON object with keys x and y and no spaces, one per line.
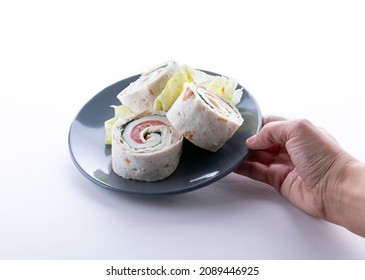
{"x":273,"y":175}
{"x":273,"y":133}
{"x":268,"y":157}
{"x":253,"y":170}
{"x":279,"y":133}
{"x":271,"y":118}
{"x":263,"y":157}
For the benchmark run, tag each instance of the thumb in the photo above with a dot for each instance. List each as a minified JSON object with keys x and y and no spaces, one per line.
{"x":272,"y":134}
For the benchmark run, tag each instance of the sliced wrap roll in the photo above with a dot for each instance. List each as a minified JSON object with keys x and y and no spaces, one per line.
{"x":140,"y":95}
{"x":203,"y":118}
{"x":145,"y":147}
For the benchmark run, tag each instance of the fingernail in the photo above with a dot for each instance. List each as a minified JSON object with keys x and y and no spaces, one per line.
{"x":251,"y":139}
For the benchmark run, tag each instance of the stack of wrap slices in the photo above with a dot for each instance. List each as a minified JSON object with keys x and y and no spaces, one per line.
{"x":165,"y":105}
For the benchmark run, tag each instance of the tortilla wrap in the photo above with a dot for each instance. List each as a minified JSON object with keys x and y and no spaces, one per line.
{"x":203,"y":118}
{"x":145,"y":147}
{"x":140,"y":95}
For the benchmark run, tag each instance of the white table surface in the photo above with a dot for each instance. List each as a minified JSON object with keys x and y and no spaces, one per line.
{"x":298,"y":60}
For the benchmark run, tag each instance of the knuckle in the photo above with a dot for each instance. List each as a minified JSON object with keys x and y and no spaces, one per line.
{"x":303,"y":124}
{"x":269,"y":125}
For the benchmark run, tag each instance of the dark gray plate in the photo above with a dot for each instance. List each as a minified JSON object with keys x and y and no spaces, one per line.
{"x":197,"y":167}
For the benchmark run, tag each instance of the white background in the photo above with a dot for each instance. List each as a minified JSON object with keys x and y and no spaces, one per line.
{"x":299,"y":59}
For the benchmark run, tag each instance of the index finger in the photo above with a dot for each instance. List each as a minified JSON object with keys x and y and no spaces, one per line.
{"x":271,"y":118}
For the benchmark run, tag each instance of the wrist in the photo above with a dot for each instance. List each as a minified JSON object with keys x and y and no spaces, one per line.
{"x":345,"y":197}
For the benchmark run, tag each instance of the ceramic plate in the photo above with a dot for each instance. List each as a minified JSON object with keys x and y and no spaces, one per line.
{"x":197,"y":167}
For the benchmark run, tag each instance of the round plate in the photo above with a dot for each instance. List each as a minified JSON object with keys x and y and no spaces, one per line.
{"x":197,"y":167}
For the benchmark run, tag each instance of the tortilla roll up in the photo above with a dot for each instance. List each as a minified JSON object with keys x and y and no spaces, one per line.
{"x":145,"y":147}
{"x":203,"y":118}
{"x":140,"y":95}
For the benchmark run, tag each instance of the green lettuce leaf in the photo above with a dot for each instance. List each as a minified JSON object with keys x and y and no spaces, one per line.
{"x":171,"y":92}
{"x":222,"y":86}
{"x":120,"y":111}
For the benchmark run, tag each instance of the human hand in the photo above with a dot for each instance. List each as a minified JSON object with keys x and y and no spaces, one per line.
{"x":302,"y":162}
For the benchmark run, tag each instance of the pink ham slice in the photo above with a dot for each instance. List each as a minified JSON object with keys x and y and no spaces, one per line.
{"x":136,"y":131}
